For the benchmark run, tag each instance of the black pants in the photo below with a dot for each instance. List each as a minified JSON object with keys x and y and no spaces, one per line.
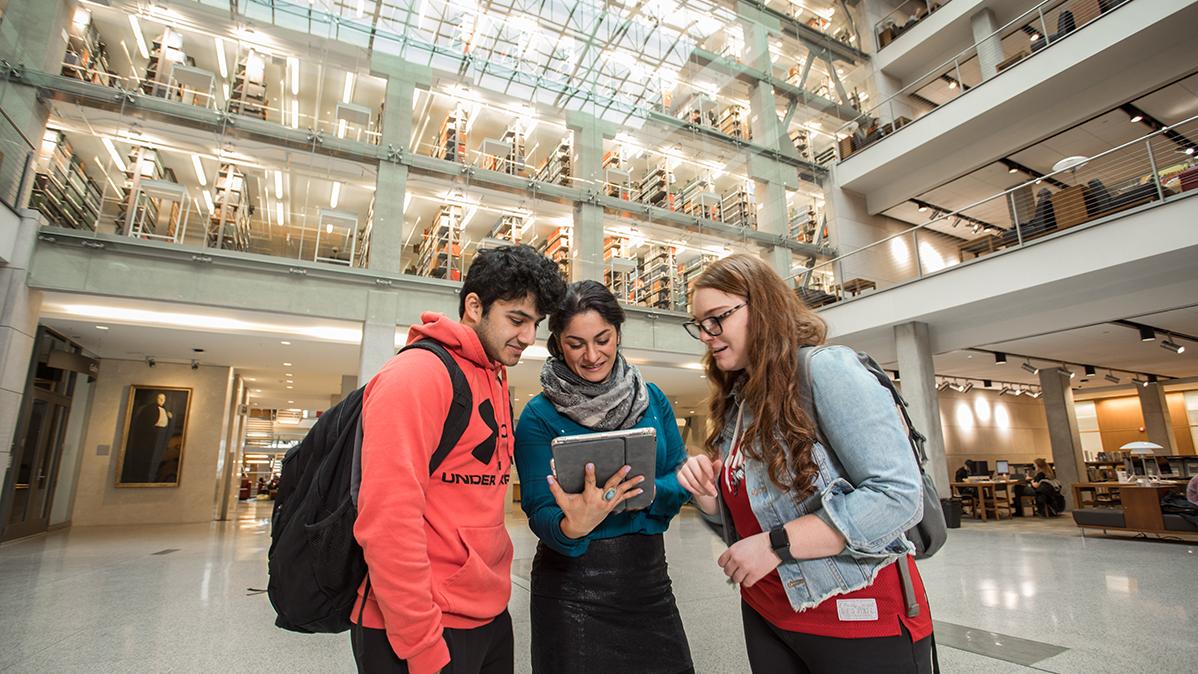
{"x":483,"y":650}
{"x":1043,"y":494}
{"x":777,"y":651}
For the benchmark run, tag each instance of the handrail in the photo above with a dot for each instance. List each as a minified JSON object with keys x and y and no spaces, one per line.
{"x":935,"y":72}
{"x":1045,"y":178}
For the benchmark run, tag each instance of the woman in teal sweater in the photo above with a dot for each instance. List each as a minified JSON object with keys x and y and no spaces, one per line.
{"x":602,"y":599}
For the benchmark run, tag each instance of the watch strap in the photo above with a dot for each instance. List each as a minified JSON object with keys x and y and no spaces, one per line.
{"x":780,"y":542}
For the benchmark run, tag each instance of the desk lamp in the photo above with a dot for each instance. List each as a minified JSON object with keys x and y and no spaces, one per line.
{"x":1141,"y":451}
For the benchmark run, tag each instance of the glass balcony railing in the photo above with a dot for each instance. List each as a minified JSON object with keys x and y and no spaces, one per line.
{"x":903,"y":18}
{"x":1031,"y":32}
{"x":1151,"y":170}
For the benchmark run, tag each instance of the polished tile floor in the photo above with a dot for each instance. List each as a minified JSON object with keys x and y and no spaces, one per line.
{"x":180,"y":599}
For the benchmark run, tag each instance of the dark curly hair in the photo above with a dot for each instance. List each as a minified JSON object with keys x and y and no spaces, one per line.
{"x":511,"y":272}
{"x":583,"y":296}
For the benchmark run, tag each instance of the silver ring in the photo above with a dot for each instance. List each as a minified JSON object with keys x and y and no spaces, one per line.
{"x":609,"y":495}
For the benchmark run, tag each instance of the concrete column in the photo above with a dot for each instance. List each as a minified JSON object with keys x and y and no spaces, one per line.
{"x":378,"y":334}
{"x":990,"y":52}
{"x":919,"y":389}
{"x":586,"y":243}
{"x":1068,"y":460}
{"x":772,"y":218}
{"x":1156,"y":417}
{"x":19,"y":309}
{"x":387,"y":231}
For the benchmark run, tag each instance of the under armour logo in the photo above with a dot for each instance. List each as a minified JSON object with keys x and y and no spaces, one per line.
{"x":486,"y":449}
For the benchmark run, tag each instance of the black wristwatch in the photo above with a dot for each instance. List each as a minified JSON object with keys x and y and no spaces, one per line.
{"x":780,"y":542}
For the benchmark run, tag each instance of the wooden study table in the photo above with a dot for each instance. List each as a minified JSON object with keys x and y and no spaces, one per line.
{"x":991,"y":495}
{"x":856,"y":286}
{"x":1094,"y":489}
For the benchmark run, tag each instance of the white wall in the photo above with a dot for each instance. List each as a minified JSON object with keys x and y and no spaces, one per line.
{"x":98,"y":501}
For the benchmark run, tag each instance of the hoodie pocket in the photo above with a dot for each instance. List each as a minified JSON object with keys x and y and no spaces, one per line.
{"x":481,"y":588}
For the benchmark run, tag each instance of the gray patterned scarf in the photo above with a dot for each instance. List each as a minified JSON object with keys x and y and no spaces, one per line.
{"x":615,"y":403}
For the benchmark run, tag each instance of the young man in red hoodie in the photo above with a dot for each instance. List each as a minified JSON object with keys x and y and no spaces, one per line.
{"x":438,"y":554}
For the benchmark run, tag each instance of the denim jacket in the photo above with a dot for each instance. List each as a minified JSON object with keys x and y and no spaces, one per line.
{"x":869,"y":489}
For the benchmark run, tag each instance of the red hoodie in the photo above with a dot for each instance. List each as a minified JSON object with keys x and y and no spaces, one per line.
{"x":436,"y":547}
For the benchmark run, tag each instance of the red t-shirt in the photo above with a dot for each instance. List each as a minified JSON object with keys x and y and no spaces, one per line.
{"x":883,"y":599}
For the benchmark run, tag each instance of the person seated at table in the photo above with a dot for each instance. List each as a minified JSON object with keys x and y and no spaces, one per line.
{"x":962,"y":473}
{"x":1044,"y":487}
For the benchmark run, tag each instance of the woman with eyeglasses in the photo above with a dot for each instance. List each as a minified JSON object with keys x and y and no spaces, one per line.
{"x":817,"y":531}
{"x":602,"y":600}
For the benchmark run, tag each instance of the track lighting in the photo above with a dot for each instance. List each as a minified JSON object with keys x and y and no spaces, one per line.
{"x":1147,"y":334}
{"x":1110,"y":376}
{"x":1000,"y":358}
{"x":1171,"y":345}
{"x":966,"y":388}
{"x":923,"y":208}
{"x":1028,"y":367}
{"x":1006,"y":390}
{"x":150,"y":362}
{"x":1137,"y":119}
{"x":1037,"y":394}
{"x":1066,"y":371}
{"x":1151,"y":380}
{"x":195,"y":364}
{"x":942,"y":385}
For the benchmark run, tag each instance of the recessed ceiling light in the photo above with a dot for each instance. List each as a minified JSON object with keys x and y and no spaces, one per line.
{"x":290,"y":402}
{"x":250,"y":379}
{"x":1137,"y":118}
{"x":285,"y":343}
{"x":101,"y":327}
{"x":288,"y":374}
{"x":290,"y":387}
{"x":286,"y":364}
{"x":1012,"y":170}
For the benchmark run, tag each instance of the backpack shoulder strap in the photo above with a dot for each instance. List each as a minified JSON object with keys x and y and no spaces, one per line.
{"x":807,"y":389}
{"x":456,"y":421}
{"x":459,"y":408}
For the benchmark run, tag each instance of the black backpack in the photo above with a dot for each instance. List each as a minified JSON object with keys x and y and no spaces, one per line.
{"x":315,"y":563}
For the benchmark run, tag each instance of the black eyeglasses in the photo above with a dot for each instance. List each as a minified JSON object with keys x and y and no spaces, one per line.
{"x":712,"y":325}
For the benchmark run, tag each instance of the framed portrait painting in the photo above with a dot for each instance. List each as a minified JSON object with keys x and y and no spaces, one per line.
{"x":154,"y":436}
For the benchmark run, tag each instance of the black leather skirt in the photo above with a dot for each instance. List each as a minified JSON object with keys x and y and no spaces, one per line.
{"x":610,"y":610}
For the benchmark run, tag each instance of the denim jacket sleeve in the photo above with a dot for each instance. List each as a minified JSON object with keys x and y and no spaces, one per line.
{"x":882,"y":495}
{"x":533,"y":436}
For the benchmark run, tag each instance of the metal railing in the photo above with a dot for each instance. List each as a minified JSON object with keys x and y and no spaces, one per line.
{"x":1019,"y":39}
{"x":903,"y":18}
{"x":16,"y":156}
{"x":1150,"y":170}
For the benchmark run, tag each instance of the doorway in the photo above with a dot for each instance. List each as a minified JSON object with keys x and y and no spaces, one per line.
{"x":38,"y":441}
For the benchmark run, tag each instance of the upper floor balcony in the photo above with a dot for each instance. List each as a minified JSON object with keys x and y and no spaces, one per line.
{"x":1050,"y":67}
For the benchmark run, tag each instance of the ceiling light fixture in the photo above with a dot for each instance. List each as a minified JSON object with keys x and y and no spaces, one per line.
{"x":1012,"y":170}
{"x":116,"y":156}
{"x":141,"y":40}
{"x":1028,"y":367}
{"x":923,"y":208}
{"x":1151,"y":380}
{"x":942,"y":385}
{"x":1000,"y":358}
{"x":986,"y":383}
{"x":295,"y":113}
{"x":966,"y":388}
{"x":1137,"y":118}
{"x":279,"y":211}
{"x":208,"y":201}
{"x":335,"y":195}
{"x":220,"y":58}
{"x":195,"y":161}
{"x":1089,"y":370}
{"x":1110,"y":376}
{"x":293,"y":69}
{"x":1006,"y":390}
{"x":347,"y":92}
{"x":278,"y":184}
{"x":1147,"y":334}
{"x":101,"y":327}
{"x":952,"y":84}
{"x":1066,"y":371}
{"x":1171,"y":345}
{"x":1037,"y":394}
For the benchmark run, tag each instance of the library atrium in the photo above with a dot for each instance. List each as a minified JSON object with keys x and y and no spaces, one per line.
{"x":234,"y":211}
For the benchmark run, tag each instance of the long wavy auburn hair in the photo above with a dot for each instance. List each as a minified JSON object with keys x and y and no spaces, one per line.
{"x":780,"y":435}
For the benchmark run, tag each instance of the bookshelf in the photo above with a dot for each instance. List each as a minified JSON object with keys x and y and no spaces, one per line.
{"x":248,"y":95}
{"x":507,"y":154}
{"x":617,"y":182}
{"x":556,"y":169}
{"x":228,"y":224}
{"x":451,"y":136}
{"x":688,"y":272}
{"x":440,"y":250}
{"x":656,"y":277}
{"x":557,"y":248}
{"x":164,"y":52}
{"x":804,"y":225}
{"x":140,"y":214}
{"x":654,"y":188}
{"x":698,"y":198}
{"x":738,"y":208}
{"x":734,"y":121}
{"x":62,"y":190}
{"x":618,"y":268}
{"x":802,"y":142}
{"x":86,"y":57}
{"x":507,"y":229}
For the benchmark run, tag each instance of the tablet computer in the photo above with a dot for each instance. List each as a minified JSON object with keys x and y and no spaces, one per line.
{"x":609,"y":451}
